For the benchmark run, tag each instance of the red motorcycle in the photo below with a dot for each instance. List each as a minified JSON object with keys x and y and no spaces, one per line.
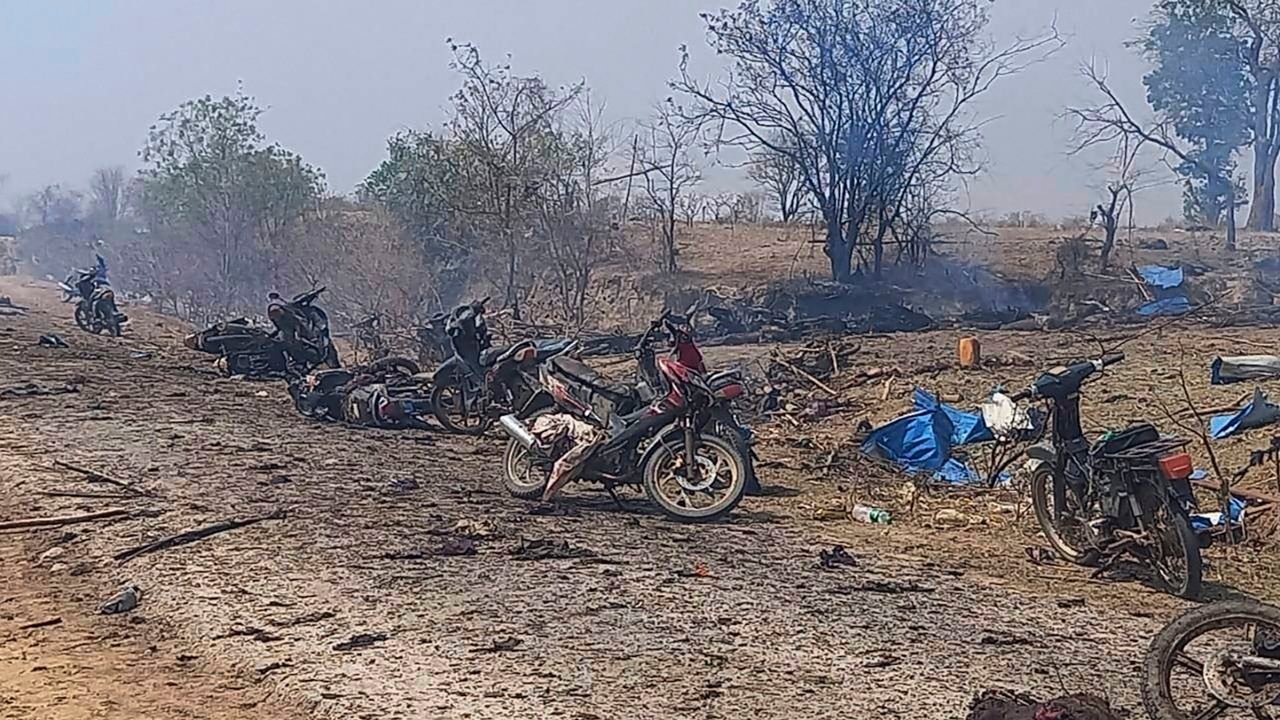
{"x":662,"y":445}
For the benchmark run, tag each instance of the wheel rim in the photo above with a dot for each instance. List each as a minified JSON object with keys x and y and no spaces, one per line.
{"x":712,"y":485}
{"x":1070,"y":531}
{"x":1206,"y":678}
{"x":459,"y":408}
{"x":1168,"y":553}
{"x":522,"y":472}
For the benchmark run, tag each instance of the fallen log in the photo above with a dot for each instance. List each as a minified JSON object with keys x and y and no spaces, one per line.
{"x":96,"y":496}
{"x":60,"y":520}
{"x":95,"y":476}
{"x":191,"y":536}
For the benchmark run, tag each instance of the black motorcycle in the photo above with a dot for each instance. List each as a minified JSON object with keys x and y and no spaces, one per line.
{"x":304,"y":329}
{"x":480,"y":383}
{"x":96,"y":310}
{"x":1126,"y":493}
{"x":243,"y":349}
{"x":389,"y":392}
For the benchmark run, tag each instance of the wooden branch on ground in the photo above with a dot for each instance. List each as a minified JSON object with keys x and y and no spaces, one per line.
{"x":191,"y":536}
{"x":95,"y":476}
{"x":1252,"y":496}
{"x":60,"y":520}
{"x":816,"y":382}
{"x":96,"y":496}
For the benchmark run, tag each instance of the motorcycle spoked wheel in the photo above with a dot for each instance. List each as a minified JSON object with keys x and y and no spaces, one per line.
{"x":455,"y":410}
{"x":1174,"y":556}
{"x":83,"y":320}
{"x":1183,"y":678}
{"x":1069,"y":537}
{"x":713,"y":492}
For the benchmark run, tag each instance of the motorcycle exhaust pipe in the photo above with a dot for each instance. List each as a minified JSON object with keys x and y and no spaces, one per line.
{"x":517,"y":431}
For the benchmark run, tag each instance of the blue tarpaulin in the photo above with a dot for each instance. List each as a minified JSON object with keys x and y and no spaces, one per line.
{"x":921,"y":441}
{"x":1176,"y":305}
{"x":1201,"y":522}
{"x":1161,"y":277}
{"x":1256,"y":413}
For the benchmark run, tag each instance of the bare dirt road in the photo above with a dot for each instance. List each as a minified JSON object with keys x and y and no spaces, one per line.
{"x":346,"y":607}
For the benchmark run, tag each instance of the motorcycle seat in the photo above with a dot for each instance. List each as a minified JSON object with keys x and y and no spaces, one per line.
{"x":1127,"y":439}
{"x":545,"y":350}
{"x":576,"y":371}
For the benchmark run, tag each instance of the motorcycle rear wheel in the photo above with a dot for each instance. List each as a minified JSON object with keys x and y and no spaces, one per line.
{"x":449,"y":405}
{"x":83,"y":320}
{"x":1176,"y":563}
{"x":523,"y":478}
{"x":1070,"y":542}
{"x":1168,"y":651}
{"x":660,"y":472}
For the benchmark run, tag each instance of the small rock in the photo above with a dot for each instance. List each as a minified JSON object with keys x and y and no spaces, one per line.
{"x":52,"y":553}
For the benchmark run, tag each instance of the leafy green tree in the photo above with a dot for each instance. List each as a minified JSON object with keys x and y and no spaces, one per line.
{"x":212,"y":182}
{"x":1200,"y":81}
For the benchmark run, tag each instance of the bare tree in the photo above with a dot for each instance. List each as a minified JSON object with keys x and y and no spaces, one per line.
{"x":867,"y":98}
{"x":1111,"y":122}
{"x":107,"y":193}
{"x":779,"y":175}
{"x":690,"y":206}
{"x":669,"y":172}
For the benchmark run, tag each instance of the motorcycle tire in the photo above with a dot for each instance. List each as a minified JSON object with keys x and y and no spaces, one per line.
{"x":446,"y":420}
{"x":394,"y":363}
{"x":114,"y":329}
{"x":513,"y":459}
{"x":83,"y":320}
{"x":1179,"y":530}
{"x":1041,"y":496}
{"x":1165,"y":648}
{"x":650,"y":476}
{"x":331,"y":360}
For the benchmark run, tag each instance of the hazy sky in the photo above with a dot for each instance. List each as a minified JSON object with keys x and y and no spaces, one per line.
{"x":82,"y":80}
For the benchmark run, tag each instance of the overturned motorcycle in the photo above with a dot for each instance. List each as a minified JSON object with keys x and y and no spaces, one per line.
{"x":299,"y":343}
{"x":388,"y":393}
{"x":598,"y":431}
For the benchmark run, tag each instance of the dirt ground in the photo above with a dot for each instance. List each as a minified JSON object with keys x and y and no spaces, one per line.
{"x":344,"y":608}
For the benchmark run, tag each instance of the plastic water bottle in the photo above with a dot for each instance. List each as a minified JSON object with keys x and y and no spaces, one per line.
{"x":870,"y":515}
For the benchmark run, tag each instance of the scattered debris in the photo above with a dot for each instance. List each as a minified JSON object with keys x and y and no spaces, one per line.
{"x":7,"y":302}
{"x":34,"y":389}
{"x":699,"y":570}
{"x":51,"y":341}
{"x":1041,"y":556}
{"x":1256,"y":413}
{"x":122,"y":602}
{"x":402,"y":485}
{"x":1008,"y":705}
{"x":1238,"y":368}
{"x":549,"y":550}
{"x":503,"y":644}
{"x":308,"y":619}
{"x":62,"y":519}
{"x":889,"y":587}
{"x":361,"y":641}
{"x":250,"y":632}
{"x":881,"y":660}
{"x":272,"y":667}
{"x":472,"y":528}
{"x":95,"y":476}
{"x":56,"y":620}
{"x":193,"y":536}
{"x":449,"y":547}
{"x":952,"y":518}
{"x":836,"y":557}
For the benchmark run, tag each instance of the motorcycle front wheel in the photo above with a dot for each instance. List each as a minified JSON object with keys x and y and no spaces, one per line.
{"x":455,"y":409}
{"x":708,"y":493}
{"x":1198,"y":666}
{"x":1068,"y":536}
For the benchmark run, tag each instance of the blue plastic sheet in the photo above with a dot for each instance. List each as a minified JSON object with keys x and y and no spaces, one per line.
{"x":1176,"y":305}
{"x":921,"y":441}
{"x":1256,"y":413}
{"x":1159,"y":276}
{"x":1201,"y":522}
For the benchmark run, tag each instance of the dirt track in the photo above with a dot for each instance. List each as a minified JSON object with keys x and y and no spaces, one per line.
{"x":663,"y":621}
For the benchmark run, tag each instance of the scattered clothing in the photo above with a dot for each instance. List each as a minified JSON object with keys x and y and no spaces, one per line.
{"x":556,"y":427}
{"x":51,"y":341}
{"x":1201,"y":522}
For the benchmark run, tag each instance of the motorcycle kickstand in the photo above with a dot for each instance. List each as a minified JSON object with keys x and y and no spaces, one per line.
{"x":616,"y":500}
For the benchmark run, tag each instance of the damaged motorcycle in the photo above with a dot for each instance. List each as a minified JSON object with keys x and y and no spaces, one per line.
{"x":599,"y":431}
{"x":304,"y":328}
{"x":480,"y":383}
{"x":243,"y":349}
{"x":96,"y":309}
{"x":388,"y":393}
{"x":1126,"y":493}
{"x":1220,"y":660}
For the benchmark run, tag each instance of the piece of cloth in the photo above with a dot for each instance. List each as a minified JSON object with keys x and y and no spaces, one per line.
{"x":1256,"y":413}
{"x":1004,"y":418}
{"x":555,"y":427}
{"x":1238,"y":368}
{"x":1161,"y":277}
